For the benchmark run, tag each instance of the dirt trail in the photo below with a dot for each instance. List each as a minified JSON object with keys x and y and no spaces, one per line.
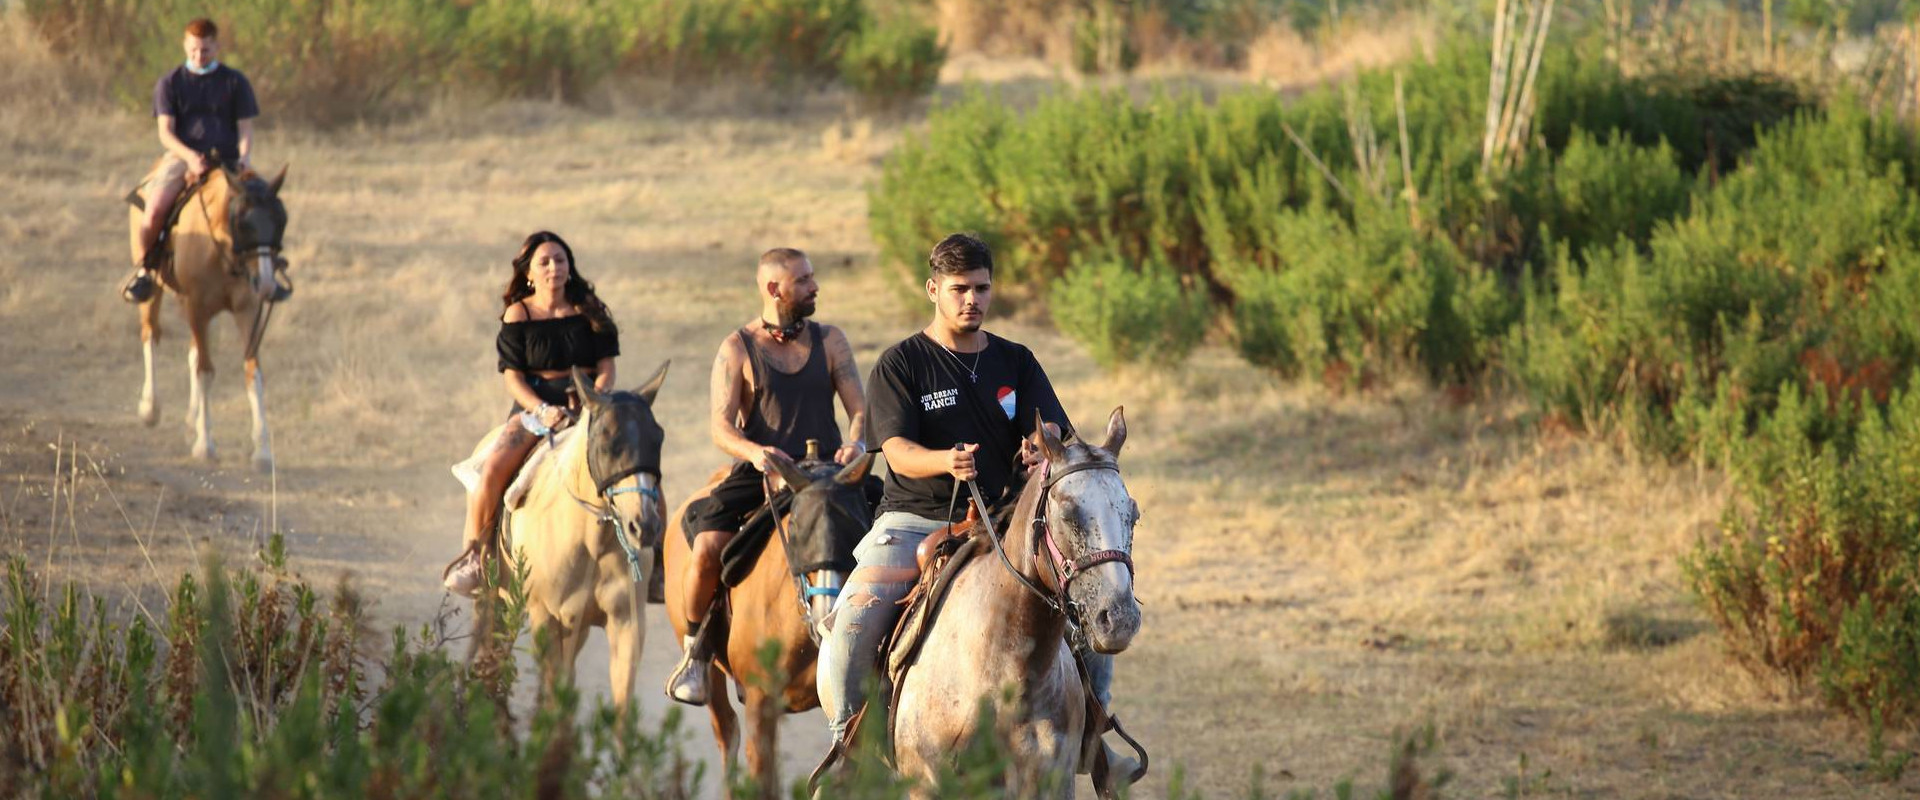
{"x":1317,"y":571}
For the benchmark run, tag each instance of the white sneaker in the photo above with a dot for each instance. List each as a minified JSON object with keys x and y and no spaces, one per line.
{"x":465,"y":576}
{"x":688,"y":683}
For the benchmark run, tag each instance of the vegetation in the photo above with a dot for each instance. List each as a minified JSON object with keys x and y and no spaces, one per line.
{"x":1711,"y":265}
{"x":338,"y":60}
{"x":252,"y":686}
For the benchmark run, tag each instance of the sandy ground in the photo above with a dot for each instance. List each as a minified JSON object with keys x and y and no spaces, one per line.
{"x":1318,"y":571}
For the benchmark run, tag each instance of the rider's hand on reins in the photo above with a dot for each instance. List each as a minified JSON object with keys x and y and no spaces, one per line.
{"x":960,"y":462}
{"x":554,"y":417}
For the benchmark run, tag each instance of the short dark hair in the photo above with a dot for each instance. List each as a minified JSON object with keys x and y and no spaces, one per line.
{"x":960,"y":254}
{"x":203,"y":28}
{"x":782,"y":257}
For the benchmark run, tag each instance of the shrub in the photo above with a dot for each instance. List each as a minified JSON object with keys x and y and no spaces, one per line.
{"x":1127,"y":314}
{"x":892,"y":61}
{"x":1814,"y":574}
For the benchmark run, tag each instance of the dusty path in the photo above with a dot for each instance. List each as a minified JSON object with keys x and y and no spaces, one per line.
{"x":1317,"y":571}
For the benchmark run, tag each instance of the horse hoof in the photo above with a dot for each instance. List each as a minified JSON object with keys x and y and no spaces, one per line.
{"x":203,"y":452}
{"x":149,"y":415}
{"x":263,"y":463}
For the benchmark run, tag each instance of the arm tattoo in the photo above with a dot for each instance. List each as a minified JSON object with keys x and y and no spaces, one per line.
{"x":846,"y":382}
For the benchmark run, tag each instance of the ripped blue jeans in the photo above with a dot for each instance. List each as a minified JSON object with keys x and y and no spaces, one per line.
{"x":868,"y":607}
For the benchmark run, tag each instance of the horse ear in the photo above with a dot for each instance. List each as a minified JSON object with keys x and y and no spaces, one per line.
{"x":591,"y":398}
{"x":1116,"y":431}
{"x":1047,"y":440}
{"x":233,"y":179}
{"x":273,"y":186}
{"x":651,"y":388}
{"x":796,"y":478}
{"x":853,"y":474}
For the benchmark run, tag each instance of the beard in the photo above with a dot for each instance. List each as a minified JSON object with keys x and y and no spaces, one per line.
{"x":794,"y":311}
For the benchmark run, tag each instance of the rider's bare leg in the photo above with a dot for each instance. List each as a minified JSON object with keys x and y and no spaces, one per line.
{"x":688,"y":683}
{"x":483,"y":503}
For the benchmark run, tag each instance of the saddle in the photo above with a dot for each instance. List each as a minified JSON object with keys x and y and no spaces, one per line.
{"x":942,"y":556}
{"x":468,"y":471}
{"x":160,"y":257}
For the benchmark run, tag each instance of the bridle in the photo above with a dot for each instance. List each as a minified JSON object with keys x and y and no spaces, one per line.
{"x":229,"y":257}
{"x":805,"y":590}
{"x":1064,"y":569}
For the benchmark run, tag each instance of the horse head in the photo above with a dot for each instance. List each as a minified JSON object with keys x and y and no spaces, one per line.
{"x":1083,"y":529}
{"x":827,"y":516}
{"x":256,"y":220}
{"x":623,"y":453}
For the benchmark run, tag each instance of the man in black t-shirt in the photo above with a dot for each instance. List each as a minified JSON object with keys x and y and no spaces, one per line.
{"x":204,"y":110}
{"x":945,"y":405}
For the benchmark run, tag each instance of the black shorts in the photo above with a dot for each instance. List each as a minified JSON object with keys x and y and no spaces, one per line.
{"x":727,"y":507}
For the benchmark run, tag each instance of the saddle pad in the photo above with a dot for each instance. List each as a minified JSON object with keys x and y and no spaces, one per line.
{"x":468,"y":471}
{"x":743,"y":551}
{"x":923,"y":606}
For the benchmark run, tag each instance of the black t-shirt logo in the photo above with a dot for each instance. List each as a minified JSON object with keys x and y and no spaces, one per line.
{"x":1008,"y":400}
{"x":945,"y":398}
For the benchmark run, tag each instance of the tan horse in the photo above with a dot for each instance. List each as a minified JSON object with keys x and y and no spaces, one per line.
{"x":996,"y":631}
{"x":588,"y":503}
{"x":224,"y":249}
{"x":828,"y":501}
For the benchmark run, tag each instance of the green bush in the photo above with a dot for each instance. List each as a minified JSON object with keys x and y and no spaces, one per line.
{"x":248,"y":684}
{"x":1816,"y":573}
{"x":893,"y":61}
{"x":340,"y":60}
{"x":1128,"y":314}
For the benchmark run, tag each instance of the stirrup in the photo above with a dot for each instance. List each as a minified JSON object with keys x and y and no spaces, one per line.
{"x":688,"y":681}
{"x":464,"y":575}
{"x":282,"y":287}
{"x":139,"y":288}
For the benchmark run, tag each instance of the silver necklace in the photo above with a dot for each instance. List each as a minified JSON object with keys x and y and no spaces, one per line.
{"x":973,"y":372}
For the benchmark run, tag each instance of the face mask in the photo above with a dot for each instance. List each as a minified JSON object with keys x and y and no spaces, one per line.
{"x":211,"y":66}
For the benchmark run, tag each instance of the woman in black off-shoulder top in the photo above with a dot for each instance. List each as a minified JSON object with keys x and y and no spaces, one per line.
{"x":553,"y":323}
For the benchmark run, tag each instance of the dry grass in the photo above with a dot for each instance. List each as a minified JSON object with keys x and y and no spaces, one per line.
{"x":1284,"y":59}
{"x":1318,"y":570}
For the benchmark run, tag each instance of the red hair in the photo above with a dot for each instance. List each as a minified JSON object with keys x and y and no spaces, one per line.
{"x":203,"y":28}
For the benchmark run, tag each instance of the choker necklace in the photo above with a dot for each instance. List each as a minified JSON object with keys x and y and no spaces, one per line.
{"x":973,"y":372}
{"x":783,"y":333}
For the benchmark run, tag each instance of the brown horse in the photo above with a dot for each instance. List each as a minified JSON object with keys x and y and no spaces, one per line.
{"x":770,"y":604}
{"x":1068,"y":546}
{"x":579,"y":533}
{"x":225,"y":246}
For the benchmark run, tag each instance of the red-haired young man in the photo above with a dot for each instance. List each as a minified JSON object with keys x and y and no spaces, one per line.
{"x":205,"y":113}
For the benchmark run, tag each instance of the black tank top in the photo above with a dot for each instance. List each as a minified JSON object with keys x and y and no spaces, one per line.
{"x":788,"y":408}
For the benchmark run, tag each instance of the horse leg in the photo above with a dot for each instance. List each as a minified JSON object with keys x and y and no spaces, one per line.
{"x":763,"y":723}
{"x":149,"y":339}
{"x":626,"y":628}
{"x":726,"y":725}
{"x":256,"y":392}
{"x":200,"y":369}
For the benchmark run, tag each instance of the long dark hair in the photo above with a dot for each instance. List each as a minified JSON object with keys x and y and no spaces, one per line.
{"x":579,"y":290}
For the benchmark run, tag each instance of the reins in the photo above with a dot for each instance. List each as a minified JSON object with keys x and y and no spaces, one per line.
{"x":1064,"y":569}
{"x":263,"y":315}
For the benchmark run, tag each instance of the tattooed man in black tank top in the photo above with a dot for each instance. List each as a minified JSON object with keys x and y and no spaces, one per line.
{"x":773,"y":385}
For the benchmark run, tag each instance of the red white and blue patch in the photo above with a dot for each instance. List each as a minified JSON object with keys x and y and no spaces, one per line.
{"x":1007,"y":402}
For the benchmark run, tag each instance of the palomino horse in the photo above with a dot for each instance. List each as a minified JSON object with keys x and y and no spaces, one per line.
{"x":829,"y":504}
{"x":1068,"y":546}
{"x":224,"y":248}
{"x":579,"y":532}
